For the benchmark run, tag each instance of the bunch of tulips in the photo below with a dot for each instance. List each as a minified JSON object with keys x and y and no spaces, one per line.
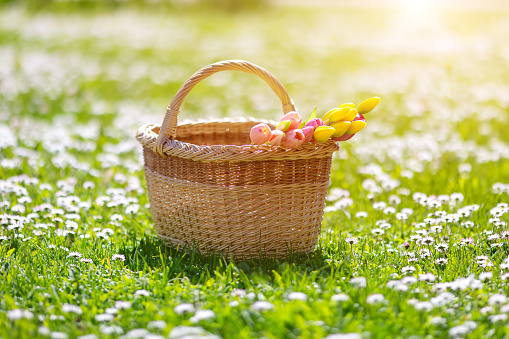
{"x":339,"y":124}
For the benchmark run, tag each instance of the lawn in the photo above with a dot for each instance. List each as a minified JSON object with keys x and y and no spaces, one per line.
{"x":414,"y":240}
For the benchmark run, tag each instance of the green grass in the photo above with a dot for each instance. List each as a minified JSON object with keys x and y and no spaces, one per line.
{"x":76,"y":83}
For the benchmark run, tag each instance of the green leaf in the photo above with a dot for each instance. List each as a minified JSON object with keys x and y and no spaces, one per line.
{"x":311,"y":117}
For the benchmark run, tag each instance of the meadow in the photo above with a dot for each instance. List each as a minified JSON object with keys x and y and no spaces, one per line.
{"x":414,"y":240}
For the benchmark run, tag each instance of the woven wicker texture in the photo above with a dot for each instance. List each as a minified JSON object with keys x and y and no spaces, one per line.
{"x":211,"y":189}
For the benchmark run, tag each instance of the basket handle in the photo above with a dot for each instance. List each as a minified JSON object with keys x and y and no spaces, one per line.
{"x":169,"y":126}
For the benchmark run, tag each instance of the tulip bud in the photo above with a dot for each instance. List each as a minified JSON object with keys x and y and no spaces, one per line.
{"x":360,"y":117}
{"x":356,"y":127}
{"x":357,"y":124}
{"x":340,"y":114}
{"x":348,"y":104}
{"x":284,"y":125}
{"x":323,"y":133}
{"x":314,"y":123}
{"x":341,"y":127}
{"x":276,"y":137}
{"x":260,"y":134}
{"x":352,"y":113}
{"x":294,"y":118}
{"x":327,"y":115}
{"x":368,"y":105}
{"x":344,"y":137}
{"x":308,"y":133}
{"x":293,"y":139}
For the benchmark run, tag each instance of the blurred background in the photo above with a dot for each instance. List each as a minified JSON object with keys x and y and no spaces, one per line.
{"x":90,"y":72}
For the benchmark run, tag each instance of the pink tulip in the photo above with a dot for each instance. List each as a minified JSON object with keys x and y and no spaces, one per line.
{"x":315,"y":122}
{"x":260,"y":134}
{"x":294,"y":118}
{"x":308,"y":133}
{"x":276,"y":137}
{"x":360,"y":117}
{"x":344,"y":137}
{"x":294,"y":138}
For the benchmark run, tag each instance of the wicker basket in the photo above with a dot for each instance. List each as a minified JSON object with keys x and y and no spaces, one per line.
{"x":212,"y":189}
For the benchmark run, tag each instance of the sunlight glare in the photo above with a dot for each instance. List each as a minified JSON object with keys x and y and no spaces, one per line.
{"x":417,"y":5}
{"x":418,"y":15}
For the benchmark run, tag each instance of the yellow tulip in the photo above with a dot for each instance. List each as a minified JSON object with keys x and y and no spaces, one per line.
{"x":328,"y":114}
{"x":339,"y":114}
{"x":323,"y":133}
{"x":341,"y":127}
{"x":356,"y":126}
{"x":348,"y":104}
{"x":352,"y":113}
{"x":368,"y":105}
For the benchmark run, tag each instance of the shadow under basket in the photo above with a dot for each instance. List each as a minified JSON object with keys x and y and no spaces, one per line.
{"x":210,"y":189}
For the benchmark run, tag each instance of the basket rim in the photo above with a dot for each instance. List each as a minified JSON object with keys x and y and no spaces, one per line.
{"x":173,"y":147}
